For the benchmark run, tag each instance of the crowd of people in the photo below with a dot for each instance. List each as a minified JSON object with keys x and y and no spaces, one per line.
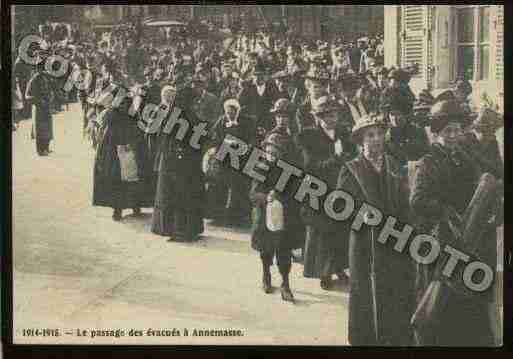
{"x":331,"y":109}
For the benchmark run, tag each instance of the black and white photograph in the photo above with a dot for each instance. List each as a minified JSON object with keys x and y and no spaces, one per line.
{"x":314,"y":175}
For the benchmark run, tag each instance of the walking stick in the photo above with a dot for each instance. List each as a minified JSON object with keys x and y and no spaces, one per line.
{"x":373,"y":288}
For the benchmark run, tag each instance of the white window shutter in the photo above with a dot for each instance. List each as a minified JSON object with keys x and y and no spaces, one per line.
{"x":415,"y":44}
{"x":499,"y":50}
{"x":413,"y":36}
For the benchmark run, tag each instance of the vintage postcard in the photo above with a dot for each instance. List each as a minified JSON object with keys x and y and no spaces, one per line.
{"x":257,"y":174}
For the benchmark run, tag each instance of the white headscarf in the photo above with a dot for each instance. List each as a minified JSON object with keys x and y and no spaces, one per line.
{"x":168,"y":88}
{"x":232,"y":103}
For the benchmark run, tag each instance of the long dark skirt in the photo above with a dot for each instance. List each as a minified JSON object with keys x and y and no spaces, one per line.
{"x":325,"y":253}
{"x":42,"y":127}
{"x":227,"y":198}
{"x":114,"y":193}
{"x":180,"y":224}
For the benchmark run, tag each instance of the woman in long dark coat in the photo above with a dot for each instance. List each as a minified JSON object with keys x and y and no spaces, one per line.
{"x":178,"y":210}
{"x":39,"y":92}
{"x":445,"y":181}
{"x":117,"y":128}
{"x":325,"y":146}
{"x":381,"y":280}
{"x":228,"y":195}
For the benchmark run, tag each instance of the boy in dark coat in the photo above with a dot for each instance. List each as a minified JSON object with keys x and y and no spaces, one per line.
{"x":275,"y":242}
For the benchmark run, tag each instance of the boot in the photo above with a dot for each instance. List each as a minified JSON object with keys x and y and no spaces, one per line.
{"x":326,"y":283}
{"x":116,"y":216}
{"x":286,"y":293}
{"x":266,"y":282}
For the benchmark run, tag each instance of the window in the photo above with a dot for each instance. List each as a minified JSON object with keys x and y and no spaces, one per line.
{"x":484,"y":43}
{"x":473,"y":31}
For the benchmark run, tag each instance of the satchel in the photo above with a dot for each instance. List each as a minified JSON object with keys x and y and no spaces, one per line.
{"x":128,"y":164}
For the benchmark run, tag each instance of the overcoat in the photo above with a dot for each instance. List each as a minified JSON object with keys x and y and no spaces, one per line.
{"x":118,"y":128}
{"x":319,"y":160}
{"x":292,"y":236}
{"x":180,"y":189}
{"x":228,"y":187}
{"x":39,"y":87}
{"x":381,"y":279}
{"x":446,"y":180}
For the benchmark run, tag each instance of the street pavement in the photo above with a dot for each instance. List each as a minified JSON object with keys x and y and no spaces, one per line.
{"x":76,"y":269}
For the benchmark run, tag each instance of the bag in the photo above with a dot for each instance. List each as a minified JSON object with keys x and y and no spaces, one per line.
{"x":274,"y":216}
{"x":128,"y":164}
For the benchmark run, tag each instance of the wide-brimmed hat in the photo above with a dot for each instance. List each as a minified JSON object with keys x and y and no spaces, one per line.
{"x":397,"y":74}
{"x":325,"y":104}
{"x":278,"y":140}
{"x":424,"y":102}
{"x":373,"y":119}
{"x":349,"y":79}
{"x":382,"y":70}
{"x":281,"y":106}
{"x":283,"y":74}
{"x":444,"y":112}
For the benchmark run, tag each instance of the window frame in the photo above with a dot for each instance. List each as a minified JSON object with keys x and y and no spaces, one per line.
{"x":477,"y":74}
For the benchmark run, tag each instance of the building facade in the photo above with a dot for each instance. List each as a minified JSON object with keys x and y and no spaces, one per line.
{"x":449,"y":42}
{"x":314,"y":21}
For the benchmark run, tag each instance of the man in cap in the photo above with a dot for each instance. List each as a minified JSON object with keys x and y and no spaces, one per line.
{"x":294,"y":61}
{"x":281,"y":80}
{"x":407,"y":140}
{"x":226,"y":75}
{"x":341,"y":63}
{"x":282,"y":111}
{"x":39,"y":93}
{"x":153,"y":87}
{"x":205,"y":104}
{"x":421,"y":110}
{"x":445,"y":180}
{"x":381,"y":281}
{"x":247,"y":70}
{"x":380,"y":73}
{"x":257,"y":99}
{"x":317,"y":81}
{"x":232,"y":88}
{"x":355,"y":56}
{"x":346,"y":89}
{"x":322,"y":147}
